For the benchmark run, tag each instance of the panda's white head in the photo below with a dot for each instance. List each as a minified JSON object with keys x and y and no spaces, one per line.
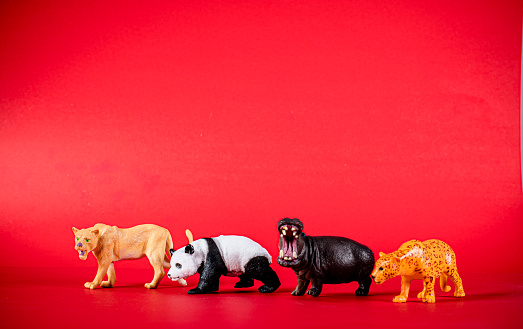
{"x":184,"y":262}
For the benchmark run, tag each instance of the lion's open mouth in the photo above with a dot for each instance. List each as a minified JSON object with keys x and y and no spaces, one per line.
{"x":82,"y":254}
{"x":288,"y":245}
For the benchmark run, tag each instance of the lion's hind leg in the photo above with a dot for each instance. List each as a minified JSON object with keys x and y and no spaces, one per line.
{"x":157,"y":262}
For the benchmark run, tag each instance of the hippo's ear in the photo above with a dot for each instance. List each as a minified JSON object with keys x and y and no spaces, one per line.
{"x":95,"y":231}
{"x":382,"y":254}
{"x":171,"y":251}
{"x":75,"y":229}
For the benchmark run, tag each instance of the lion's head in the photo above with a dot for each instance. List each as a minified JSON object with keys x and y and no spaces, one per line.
{"x":387,"y":266}
{"x":85,"y":240}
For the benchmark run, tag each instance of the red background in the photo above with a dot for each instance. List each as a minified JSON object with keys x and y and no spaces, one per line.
{"x":374,"y":120}
{"x":382,"y":121}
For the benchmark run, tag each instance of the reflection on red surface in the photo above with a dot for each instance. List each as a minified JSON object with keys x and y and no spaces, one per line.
{"x":57,"y":298}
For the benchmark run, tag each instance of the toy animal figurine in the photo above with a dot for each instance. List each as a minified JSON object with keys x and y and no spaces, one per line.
{"x":110,"y":244}
{"x":323,"y":259}
{"x":420,"y":260}
{"x":228,"y":255}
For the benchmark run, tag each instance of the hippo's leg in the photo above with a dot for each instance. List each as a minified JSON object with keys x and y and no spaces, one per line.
{"x":364,"y":287}
{"x":301,"y":287}
{"x":316,"y":286}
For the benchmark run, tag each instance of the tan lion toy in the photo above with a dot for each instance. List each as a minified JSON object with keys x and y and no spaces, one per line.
{"x":425,"y":261}
{"x":110,"y":244}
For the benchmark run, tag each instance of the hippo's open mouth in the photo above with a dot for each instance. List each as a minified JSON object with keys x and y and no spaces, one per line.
{"x":288,"y":245}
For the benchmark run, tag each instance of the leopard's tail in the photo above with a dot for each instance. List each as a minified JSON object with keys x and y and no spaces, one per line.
{"x":443,"y":283}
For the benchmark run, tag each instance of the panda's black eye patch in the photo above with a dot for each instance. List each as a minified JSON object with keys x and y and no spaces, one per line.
{"x":178,"y":265}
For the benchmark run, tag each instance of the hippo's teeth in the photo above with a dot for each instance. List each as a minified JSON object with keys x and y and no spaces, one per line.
{"x":294,"y":229}
{"x":294,"y":254}
{"x":281,"y":235}
{"x":295,"y":233}
{"x":284,"y":232}
{"x":281,"y":253}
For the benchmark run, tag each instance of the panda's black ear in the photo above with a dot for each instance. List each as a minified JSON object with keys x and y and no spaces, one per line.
{"x":189,"y":249}
{"x":171,"y":251}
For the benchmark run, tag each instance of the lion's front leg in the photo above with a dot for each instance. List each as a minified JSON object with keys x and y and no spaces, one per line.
{"x":103,"y":266}
{"x":111,"y":277}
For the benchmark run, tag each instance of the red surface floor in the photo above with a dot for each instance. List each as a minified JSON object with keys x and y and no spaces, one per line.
{"x":55,"y":297}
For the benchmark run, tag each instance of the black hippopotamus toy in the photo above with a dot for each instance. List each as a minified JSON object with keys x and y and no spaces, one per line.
{"x":323,"y":259}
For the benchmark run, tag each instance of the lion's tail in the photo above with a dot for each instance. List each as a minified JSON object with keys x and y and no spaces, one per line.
{"x":443,"y":283}
{"x":169,"y":244}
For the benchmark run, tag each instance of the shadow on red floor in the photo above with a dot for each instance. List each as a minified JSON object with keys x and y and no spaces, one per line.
{"x":55,"y":297}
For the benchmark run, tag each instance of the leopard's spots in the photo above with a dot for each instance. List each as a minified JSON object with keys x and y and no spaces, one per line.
{"x":425,"y":260}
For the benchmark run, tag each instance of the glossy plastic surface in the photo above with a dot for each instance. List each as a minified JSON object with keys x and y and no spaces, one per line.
{"x":110,"y":244}
{"x":426,"y":261}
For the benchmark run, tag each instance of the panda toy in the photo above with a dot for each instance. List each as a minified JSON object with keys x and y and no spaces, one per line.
{"x":228,"y":255}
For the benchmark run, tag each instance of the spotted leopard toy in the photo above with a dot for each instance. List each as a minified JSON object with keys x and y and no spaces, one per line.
{"x":416,"y":260}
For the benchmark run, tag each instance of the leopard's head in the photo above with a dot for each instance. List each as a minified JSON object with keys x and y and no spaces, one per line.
{"x":387,"y":266}
{"x":85,"y":240}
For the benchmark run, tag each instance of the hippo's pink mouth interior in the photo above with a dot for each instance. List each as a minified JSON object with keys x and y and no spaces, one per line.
{"x":288,"y":244}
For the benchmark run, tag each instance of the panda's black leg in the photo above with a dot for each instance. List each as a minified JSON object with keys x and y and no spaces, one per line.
{"x":245,"y":282}
{"x":364,"y":287}
{"x":259,"y":268}
{"x":209,"y":282}
{"x":210,"y":271}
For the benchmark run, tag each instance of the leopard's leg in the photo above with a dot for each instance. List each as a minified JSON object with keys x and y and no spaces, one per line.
{"x":405,"y":288}
{"x":421,"y":295}
{"x":458,"y":284}
{"x":111,"y":277}
{"x":428,"y":283}
{"x":103,"y":266}
{"x":157,"y":262}
{"x":443,"y":283}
